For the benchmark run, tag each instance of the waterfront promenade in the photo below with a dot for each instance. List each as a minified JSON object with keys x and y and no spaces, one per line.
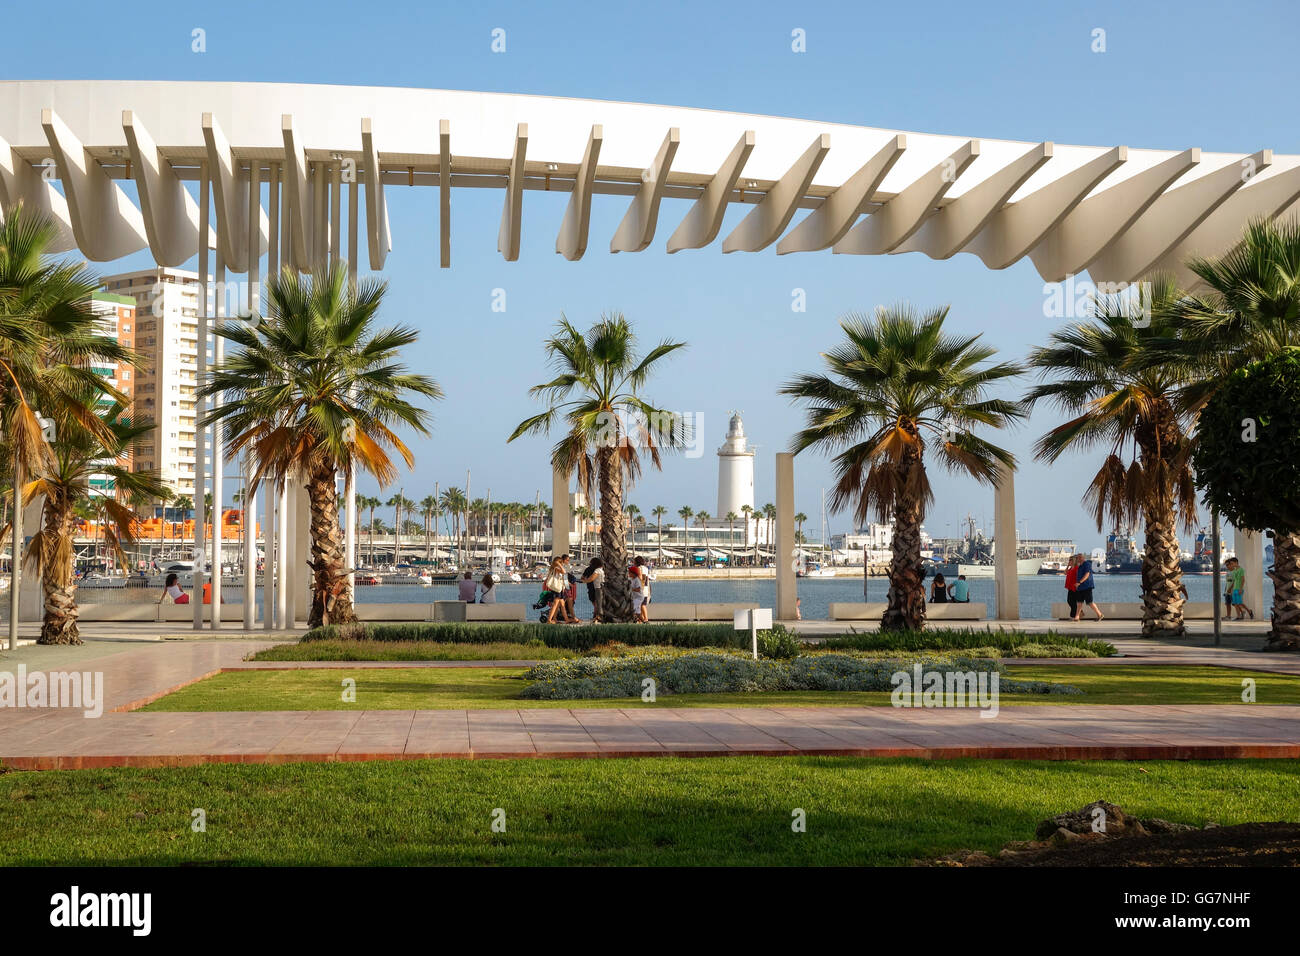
{"x":140,"y":670}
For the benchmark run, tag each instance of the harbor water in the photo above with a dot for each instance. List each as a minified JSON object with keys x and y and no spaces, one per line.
{"x":1037,"y":593}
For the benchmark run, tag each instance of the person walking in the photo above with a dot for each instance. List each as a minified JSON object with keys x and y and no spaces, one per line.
{"x":487,"y":593}
{"x":1071,"y":583}
{"x":1236,"y":594}
{"x":1084,"y":583}
{"x":594,"y":577}
{"x":638,"y":595}
{"x":554,"y":587}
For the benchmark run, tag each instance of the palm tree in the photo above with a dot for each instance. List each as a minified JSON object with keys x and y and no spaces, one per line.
{"x":312,"y":388}
{"x":1250,"y":309}
{"x":181,"y":503}
{"x":746,"y":510}
{"x":731,"y":538}
{"x":799,"y":519}
{"x":702,"y":521}
{"x":685,"y":512}
{"x":400,"y":505}
{"x":49,"y":347}
{"x":896,"y":381}
{"x":607,"y":423}
{"x":429,"y":512}
{"x":64,"y":479}
{"x":370,"y":503}
{"x":659,"y":511}
{"x":769,"y":515}
{"x":1115,"y":381}
{"x":454,"y":503}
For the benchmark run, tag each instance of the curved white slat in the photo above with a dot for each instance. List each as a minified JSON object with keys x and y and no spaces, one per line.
{"x":377,"y":241}
{"x":1021,"y":225}
{"x":1171,"y":218}
{"x":1267,"y":196}
{"x":105,"y":222}
{"x":766,"y":221}
{"x":171,"y":216}
{"x":512,"y":213}
{"x":1099,"y":219}
{"x":229,"y":196}
{"x":300,"y":253}
{"x":827,"y":224}
{"x":700,"y":225}
{"x":886,"y":228}
{"x":637,"y":229}
{"x":572,"y":240}
{"x":20,"y":183}
{"x":949,"y":229}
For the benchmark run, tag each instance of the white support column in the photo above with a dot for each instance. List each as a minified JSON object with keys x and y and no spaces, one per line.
{"x":1249,"y":548}
{"x":786,"y":549}
{"x":1006,"y":579}
{"x":269,"y":589}
{"x":300,"y":553}
{"x":559,"y":514}
{"x":31,"y":601}
{"x":350,"y":479}
{"x":200,"y":433}
{"x":218,"y":449}
{"x":248,"y":516}
{"x":270,"y":495}
{"x":282,"y":531}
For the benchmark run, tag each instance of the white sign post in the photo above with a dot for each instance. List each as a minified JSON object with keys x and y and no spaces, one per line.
{"x":753,"y":620}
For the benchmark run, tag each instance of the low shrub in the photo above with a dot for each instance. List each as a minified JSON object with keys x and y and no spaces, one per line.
{"x":364,"y":650}
{"x":581,"y":638}
{"x":1004,"y":642}
{"x":707,"y":673}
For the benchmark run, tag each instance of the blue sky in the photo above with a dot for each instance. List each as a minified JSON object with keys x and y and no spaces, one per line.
{"x":1214,"y":75}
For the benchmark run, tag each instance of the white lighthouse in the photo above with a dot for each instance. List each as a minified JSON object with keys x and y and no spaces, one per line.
{"x":735,"y":470}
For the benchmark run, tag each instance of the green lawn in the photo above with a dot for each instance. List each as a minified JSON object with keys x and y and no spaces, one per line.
{"x":473,"y":687}
{"x":662,"y":811}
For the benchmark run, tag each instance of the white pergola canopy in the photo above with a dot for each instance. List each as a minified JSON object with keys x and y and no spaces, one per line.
{"x":66,"y":146}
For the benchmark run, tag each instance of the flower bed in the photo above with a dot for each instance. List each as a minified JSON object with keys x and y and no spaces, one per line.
{"x":707,"y":673}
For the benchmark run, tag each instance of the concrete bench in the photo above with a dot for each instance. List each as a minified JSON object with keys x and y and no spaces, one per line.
{"x":849,"y":611}
{"x":171,"y":613}
{"x":1132,"y":610}
{"x":495,"y":612}
{"x":695,"y":612}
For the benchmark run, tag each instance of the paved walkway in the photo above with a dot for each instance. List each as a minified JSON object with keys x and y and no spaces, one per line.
{"x":133,"y":675}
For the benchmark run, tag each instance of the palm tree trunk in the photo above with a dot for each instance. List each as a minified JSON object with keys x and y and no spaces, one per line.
{"x":613,"y":544}
{"x":1162,"y":575}
{"x":1286,"y":592}
{"x":331,"y":600}
{"x":58,"y":587}
{"x":905,"y":609}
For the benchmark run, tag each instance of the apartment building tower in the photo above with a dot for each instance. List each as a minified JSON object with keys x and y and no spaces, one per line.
{"x":166,"y":337}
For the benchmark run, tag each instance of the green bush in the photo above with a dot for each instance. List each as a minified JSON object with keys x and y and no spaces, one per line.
{"x":587,"y":678}
{"x":1247,"y":455}
{"x":1006,"y":643}
{"x":568,"y":637}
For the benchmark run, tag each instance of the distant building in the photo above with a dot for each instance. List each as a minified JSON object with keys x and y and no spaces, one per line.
{"x":115,"y":319}
{"x":735,"y":470}
{"x":166,"y":337}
